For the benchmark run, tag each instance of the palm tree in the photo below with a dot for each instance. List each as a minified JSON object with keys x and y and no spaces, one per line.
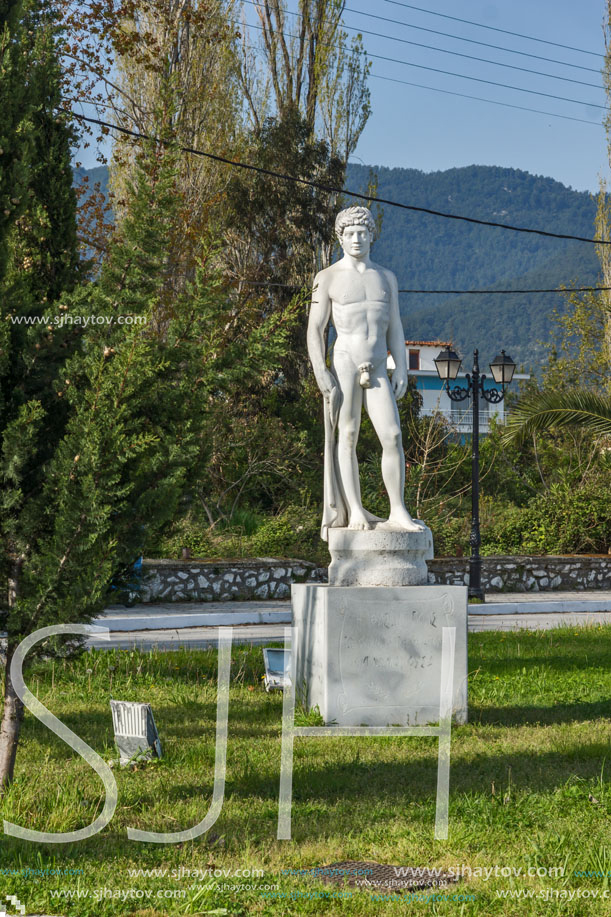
{"x":543,"y":410}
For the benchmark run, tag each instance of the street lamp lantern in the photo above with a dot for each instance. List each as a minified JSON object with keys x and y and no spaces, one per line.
{"x":448,"y":364}
{"x":502,"y":368}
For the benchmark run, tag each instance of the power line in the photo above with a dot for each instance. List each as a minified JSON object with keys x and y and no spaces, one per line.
{"x":418,"y":44}
{"x":481,"y":60}
{"x":492,"y":28}
{"x":471,"y":41}
{"x":463,"y":95}
{"x":462,"y":76}
{"x":293,"y":286}
{"x":452,"y":35}
{"x":330,"y":189}
{"x":512,"y":292}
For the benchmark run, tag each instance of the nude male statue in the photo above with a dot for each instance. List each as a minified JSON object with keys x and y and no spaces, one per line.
{"x":362,"y":300}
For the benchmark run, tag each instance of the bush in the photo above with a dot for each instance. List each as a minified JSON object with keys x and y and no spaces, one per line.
{"x":449,"y":522}
{"x":564,"y":520}
{"x":187,"y":532}
{"x":503,"y":529}
{"x":295,"y":532}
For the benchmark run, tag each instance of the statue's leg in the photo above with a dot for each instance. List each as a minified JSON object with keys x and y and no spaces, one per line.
{"x":348,"y":424}
{"x":382,"y":409}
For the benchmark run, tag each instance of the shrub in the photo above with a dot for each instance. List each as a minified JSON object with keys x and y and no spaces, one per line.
{"x":449,"y":523}
{"x":295,"y":532}
{"x":564,"y":520}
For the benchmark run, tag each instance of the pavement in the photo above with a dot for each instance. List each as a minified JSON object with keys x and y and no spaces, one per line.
{"x":195,"y":624}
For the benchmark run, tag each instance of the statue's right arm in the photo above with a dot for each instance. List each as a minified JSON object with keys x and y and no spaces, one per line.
{"x":320,"y":313}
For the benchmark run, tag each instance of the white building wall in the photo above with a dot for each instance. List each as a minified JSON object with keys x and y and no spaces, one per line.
{"x":435,"y":399}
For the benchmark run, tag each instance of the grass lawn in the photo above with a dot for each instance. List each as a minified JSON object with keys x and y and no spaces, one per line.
{"x":529,"y":789}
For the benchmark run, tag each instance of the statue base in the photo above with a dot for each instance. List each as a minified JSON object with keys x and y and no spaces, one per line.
{"x":383,"y":555}
{"x":372,"y":655}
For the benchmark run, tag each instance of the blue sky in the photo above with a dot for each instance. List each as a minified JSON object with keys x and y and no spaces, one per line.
{"x":427,"y":130}
{"x":423,"y":129}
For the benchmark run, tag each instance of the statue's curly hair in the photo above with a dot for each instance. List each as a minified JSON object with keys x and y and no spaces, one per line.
{"x":354,"y":216}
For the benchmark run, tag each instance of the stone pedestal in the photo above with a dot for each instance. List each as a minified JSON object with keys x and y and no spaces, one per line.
{"x":381,"y":556}
{"x":372,"y":655}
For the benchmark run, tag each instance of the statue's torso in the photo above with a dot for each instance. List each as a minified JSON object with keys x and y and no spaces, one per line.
{"x":360,"y":308}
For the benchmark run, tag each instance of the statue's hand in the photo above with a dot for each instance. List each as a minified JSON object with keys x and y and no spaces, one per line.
{"x":327,"y":385}
{"x":399,"y":384}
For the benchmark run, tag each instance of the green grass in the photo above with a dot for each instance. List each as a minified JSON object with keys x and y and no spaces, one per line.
{"x":529,"y":788}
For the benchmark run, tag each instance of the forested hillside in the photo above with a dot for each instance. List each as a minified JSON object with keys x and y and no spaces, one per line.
{"x":427,"y":252}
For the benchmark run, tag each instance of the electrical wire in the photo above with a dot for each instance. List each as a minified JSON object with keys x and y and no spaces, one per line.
{"x":511,"y":292}
{"x":292,"y":286}
{"x":471,"y":41}
{"x":461,"y":76}
{"x":463,"y":95}
{"x":452,"y":35}
{"x":481,"y":60}
{"x":331,"y":189}
{"x":418,"y":44}
{"x":492,"y":28}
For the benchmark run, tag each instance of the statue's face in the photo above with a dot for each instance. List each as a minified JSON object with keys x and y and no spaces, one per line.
{"x":356,"y":241}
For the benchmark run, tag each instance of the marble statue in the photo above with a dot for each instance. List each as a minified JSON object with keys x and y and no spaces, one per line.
{"x":361,"y":299}
{"x":369,"y":644}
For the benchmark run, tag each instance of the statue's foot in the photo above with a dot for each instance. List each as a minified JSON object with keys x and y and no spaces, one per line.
{"x":358,"y":521}
{"x":402,"y":519}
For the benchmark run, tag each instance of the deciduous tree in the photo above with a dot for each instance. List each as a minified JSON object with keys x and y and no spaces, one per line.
{"x":306,"y":66}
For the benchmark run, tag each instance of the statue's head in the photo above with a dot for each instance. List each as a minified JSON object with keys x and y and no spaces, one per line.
{"x":355,"y":220}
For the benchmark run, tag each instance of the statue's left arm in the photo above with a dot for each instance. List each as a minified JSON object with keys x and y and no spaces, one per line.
{"x":396,"y":341}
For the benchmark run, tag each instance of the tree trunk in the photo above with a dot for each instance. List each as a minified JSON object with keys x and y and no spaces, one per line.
{"x":12,"y":718}
{"x":12,"y":714}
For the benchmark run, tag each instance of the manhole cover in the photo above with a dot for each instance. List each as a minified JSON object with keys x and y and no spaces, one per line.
{"x":376,"y":875}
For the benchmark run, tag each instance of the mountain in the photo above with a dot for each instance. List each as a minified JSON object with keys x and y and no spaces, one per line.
{"x":99,"y":174}
{"x":428,"y":252}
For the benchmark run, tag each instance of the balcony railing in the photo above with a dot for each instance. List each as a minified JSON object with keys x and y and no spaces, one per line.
{"x":461,"y":420}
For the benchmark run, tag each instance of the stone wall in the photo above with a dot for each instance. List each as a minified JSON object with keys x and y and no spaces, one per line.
{"x":267,"y":578}
{"x":197,"y":581}
{"x":527,"y":574}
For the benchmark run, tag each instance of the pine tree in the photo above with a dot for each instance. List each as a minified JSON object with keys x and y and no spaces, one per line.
{"x":42,"y":251}
{"x":81,"y":502}
{"x":14,"y":140}
{"x":38,"y":259}
{"x":14,"y":134}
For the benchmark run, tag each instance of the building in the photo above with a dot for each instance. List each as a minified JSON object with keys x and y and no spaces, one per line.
{"x":420,"y":363}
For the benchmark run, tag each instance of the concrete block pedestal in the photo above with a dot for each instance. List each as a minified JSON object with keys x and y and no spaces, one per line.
{"x":371,"y":655}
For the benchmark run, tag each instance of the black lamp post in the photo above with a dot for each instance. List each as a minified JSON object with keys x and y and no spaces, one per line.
{"x":502,"y":369}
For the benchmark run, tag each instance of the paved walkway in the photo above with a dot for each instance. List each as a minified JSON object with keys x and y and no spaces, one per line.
{"x":195,"y":625}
